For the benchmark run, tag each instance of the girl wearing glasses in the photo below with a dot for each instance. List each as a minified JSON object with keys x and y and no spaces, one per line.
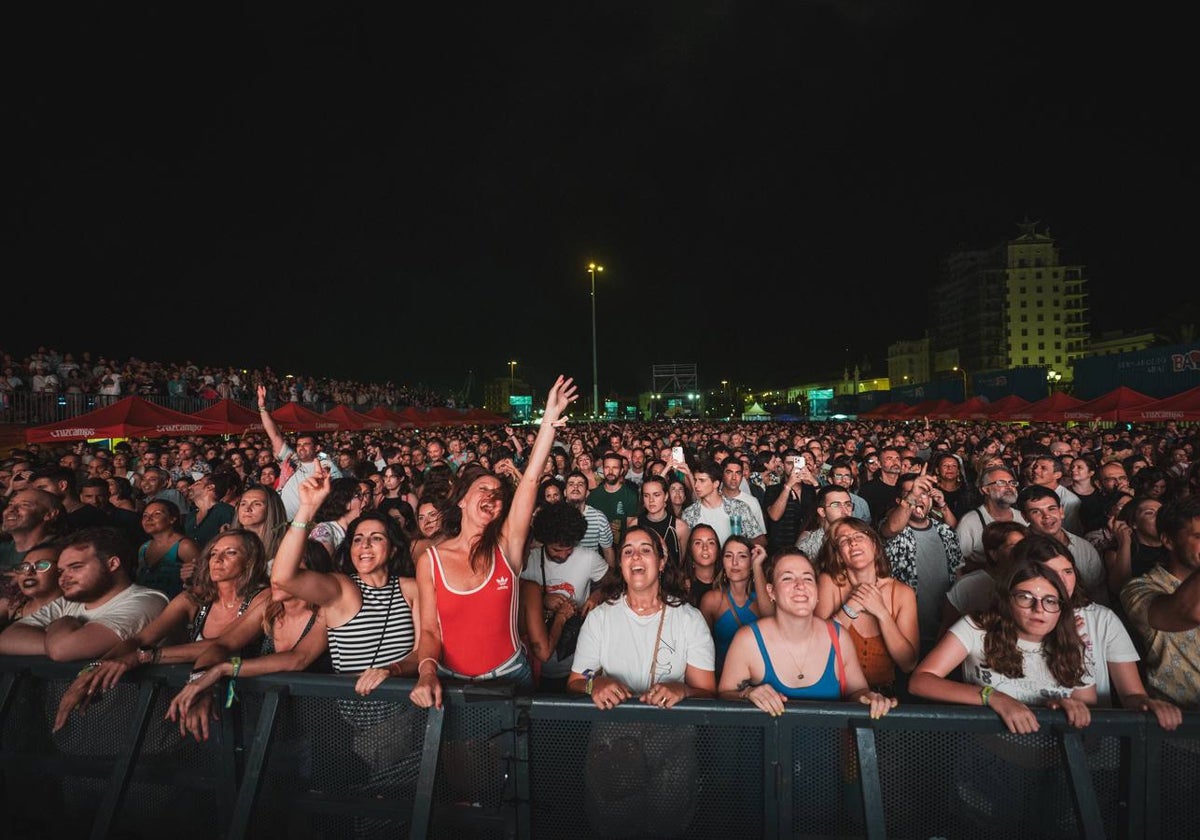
{"x":857,"y":591}
{"x":31,"y":585}
{"x":1017,"y":654}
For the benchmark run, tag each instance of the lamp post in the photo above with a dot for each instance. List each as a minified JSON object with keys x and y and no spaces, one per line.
{"x":512,"y":367}
{"x":592,"y":270}
{"x":963,"y":371}
{"x":1052,"y":379}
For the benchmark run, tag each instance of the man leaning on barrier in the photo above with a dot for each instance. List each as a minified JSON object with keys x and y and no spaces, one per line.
{"x":99,"y":607}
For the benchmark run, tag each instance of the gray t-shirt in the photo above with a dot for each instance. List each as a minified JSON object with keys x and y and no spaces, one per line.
{"x":933,"y":581}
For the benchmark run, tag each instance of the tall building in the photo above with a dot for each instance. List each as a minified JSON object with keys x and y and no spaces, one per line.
{"x":908,"y":361}
{"x":1014,"y":305}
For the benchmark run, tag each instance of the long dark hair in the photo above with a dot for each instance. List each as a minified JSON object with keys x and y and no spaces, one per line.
{"x":1062,"y":647}
{"x":399,"y":563}
{"x":670,"y":582}
{"x":482,"y":550}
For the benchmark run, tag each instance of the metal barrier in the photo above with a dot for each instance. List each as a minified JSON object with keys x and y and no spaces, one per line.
{"x":28,"y":408}
{"x":302,"y":755}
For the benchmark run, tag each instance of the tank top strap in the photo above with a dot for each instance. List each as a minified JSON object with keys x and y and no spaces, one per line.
{"x":197,"y":633}
{"x":835,"y":639}
{"x":768,"y":668}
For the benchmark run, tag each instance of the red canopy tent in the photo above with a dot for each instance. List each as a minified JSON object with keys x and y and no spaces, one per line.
{"x":1052,"y":409}
{"x":944,"y":410}
{"x":414,"y":417}
{"x":234,"y":417}
{"x":1003,"y":408}
{"x":296,"y":418}
{"x":1108,"y":407}
{"x":925,"y":408}
{"x":440,"y":416}
{"x":387,"y":419}
{"x":129,"y":417}
{"x":350,"y":420}
{"x":887,"y":411}
{"x":976,"y":408}
{"x":1181,"y":407}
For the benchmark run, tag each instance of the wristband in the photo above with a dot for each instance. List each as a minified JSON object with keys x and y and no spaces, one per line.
{"x":848,"y":611}
{"x":423,"y":661}
{"x":590,"y":676}
{"x":197,"y":674}
{"x":230,"y":695}
{"x":985,"y":694}
{"x":262,"y":408}
{"x":296,"y":523}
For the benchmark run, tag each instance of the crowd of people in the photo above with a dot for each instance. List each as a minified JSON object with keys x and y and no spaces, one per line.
{"x":1002,"y":566}
{"x":49,"y":372}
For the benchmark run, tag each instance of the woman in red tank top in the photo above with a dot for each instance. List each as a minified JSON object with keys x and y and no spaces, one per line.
{"x":468,"y":585}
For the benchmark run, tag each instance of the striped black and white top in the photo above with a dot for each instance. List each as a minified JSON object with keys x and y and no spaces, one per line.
{"x":380,"y":633}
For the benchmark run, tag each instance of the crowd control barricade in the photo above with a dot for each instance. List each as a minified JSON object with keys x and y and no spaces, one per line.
{"x":302,"y":755}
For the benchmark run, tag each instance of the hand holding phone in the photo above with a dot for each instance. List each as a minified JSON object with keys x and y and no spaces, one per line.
{"x":677,"y":454}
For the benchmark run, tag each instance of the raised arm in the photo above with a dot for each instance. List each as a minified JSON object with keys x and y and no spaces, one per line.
{"x":321,"y":588}
{"x":272,"y":430}
{"x":516,"y":527}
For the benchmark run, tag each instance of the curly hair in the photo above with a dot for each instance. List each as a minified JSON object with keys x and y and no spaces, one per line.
{"x":1061,"y":647}
{"x":560,"y":523}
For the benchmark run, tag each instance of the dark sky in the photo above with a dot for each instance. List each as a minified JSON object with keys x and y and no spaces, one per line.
{"x":402,"y":193}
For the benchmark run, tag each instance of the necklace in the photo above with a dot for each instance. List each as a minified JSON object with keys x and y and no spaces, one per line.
{"x":639,"y":610}
{"x":799,"y":672}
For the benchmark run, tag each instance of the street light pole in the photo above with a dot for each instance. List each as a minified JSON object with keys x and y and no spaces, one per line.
{"x":512,"y":367}
{"x":592,"y":269}
{"x":963,"y":371}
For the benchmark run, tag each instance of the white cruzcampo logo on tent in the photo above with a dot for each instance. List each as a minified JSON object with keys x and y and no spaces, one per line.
{"x":73,"y":433}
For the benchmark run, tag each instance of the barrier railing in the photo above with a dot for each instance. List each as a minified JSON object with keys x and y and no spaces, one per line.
{"x":23,"y":407}
{"x":303,"y":755}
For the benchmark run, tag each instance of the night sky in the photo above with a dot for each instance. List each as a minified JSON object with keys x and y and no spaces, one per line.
{"x":408,"y":193}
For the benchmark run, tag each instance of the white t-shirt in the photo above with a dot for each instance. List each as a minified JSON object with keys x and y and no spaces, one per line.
{"x":126,"y":613}
{"x":621,"y":642}
{"x":755,"y":508}
{"x":574,"y":578}
{"x":1105,"y":640}
{"x":1036,"y":688}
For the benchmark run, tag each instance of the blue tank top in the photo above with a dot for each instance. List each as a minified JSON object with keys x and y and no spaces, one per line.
{"x":728,"y":623}
{"x":163,"y":575}
{"x":829,"y":687}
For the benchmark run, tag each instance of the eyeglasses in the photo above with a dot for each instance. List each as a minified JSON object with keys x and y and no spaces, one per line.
{"x":850,"y":539}
{"x":839,"y":505}
{"x":39,"y":566}
{"x":1026,"y":600}
{"x":1003,"y":482}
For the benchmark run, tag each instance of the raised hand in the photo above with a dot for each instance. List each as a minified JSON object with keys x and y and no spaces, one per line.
{"x":561,"y":395}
